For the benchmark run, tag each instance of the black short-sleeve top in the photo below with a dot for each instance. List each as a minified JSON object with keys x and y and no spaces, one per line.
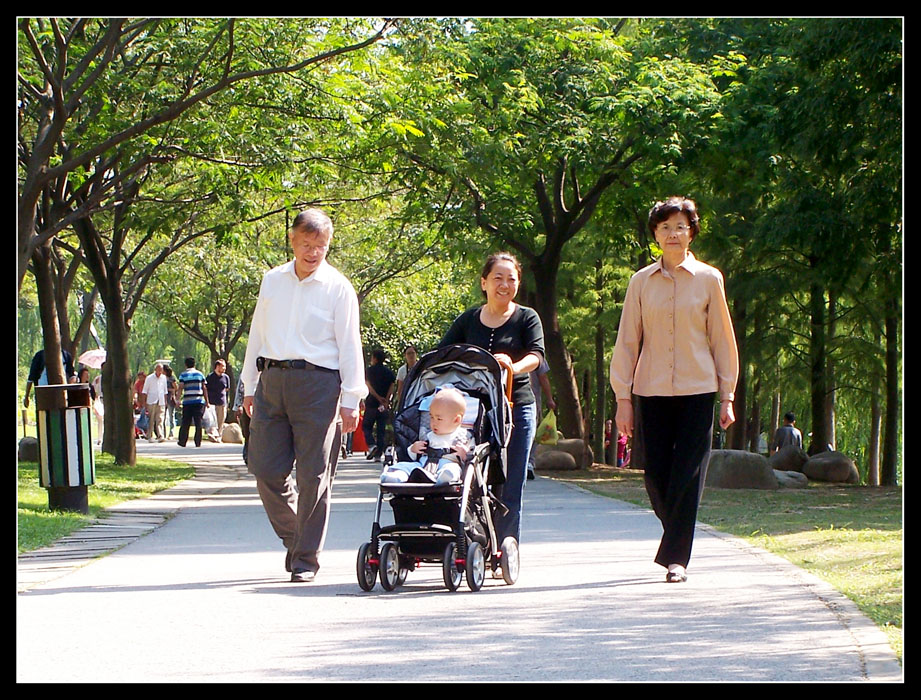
{"x":519,"y":336}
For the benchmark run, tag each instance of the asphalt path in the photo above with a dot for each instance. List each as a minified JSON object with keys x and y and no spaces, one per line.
{"x":204,"y":597}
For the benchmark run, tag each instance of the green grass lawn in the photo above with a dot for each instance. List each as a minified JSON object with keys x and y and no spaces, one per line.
{"x":39,"y":526}
{"x":849,"y":536}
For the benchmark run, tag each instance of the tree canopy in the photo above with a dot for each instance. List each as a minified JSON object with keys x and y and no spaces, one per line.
{"x":156,"y":154}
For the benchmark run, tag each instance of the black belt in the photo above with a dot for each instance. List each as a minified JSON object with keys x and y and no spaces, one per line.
{"x":263,"y":363}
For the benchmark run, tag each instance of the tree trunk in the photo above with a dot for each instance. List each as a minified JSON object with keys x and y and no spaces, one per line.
{"x":754,"y":430}
{"x":889,"y":467}
{"x":569,"y":412}
{"x":775,"y":417}
{"x":51,"y":330}
{"x":817,"y":361}
{"x":82,"y":337}
{"x":830,"y":388}
{"x":875,"y":420}
{"x":601,"y":372}
{"x":119,"y":408}
{"x":735,"y":436}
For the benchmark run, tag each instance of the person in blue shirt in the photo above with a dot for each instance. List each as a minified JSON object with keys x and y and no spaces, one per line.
{"x":38,"y":372}
{"x":194,"y":402}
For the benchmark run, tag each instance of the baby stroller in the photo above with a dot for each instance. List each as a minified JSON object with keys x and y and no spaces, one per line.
{"x":449,"y":524}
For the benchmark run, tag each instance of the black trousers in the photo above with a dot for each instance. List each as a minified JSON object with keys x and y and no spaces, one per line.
{"x":675,"y":434}
{"x":374,"y":417}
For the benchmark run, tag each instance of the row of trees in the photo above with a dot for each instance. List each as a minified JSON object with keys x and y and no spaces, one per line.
{"x":163,"y":156}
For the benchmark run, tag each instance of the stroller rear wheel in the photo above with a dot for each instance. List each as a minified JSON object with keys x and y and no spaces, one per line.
{"x":367,"y":572}
{"x":451,"y":574}
{"x":509,"y":559}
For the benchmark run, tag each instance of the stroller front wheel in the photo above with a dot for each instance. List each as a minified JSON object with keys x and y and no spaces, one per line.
{"x":390,"y":567}
{"x":451,"y":574}
{"x":476,"y":566}
{"x":367,"y":572}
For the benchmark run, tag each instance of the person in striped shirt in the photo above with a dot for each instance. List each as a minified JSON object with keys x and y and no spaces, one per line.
{"x":194,"y":401}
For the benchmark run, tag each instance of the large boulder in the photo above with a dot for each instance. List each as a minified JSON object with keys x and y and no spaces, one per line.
{"x":738,"y":469}
{"x":554,"y":459}
{"x":788,"y":459}
{"x":791,"y":479}
{"x":28,"y":449}
{"x":832,"y":466}
{"x":231,"y":432}
{"x":578,"y":448}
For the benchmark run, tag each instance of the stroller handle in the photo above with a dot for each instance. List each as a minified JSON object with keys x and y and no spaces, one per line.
{"x":509,"y":378}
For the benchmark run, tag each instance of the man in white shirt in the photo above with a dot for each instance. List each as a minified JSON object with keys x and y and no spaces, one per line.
{"x":303,"y":378}
{"x":153,"y":396}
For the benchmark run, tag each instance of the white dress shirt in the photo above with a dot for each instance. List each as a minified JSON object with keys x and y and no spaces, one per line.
{"x":313,"y":319}
{"x":155,"y":388}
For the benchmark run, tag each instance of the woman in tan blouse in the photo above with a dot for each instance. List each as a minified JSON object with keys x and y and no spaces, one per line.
{"x":675,"y":351}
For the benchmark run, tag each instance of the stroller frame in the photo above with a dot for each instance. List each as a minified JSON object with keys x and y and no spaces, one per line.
{"x":464,"y":542}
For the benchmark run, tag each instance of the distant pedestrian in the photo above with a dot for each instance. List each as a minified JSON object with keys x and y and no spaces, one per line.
{"x":609,"y":447}
{"x":380,"y":381}
{"x":787,"y":434}
{"x":218,"y":384}
{"x":172,"y":388}
{"x":153,"y":398}
{"x":139,"y":389}
{"x":622,"y":453}
{"x":194,"y":401}
{"x":411,"y":357}
{"x":99,"y":405}
{"x":38,"y":372}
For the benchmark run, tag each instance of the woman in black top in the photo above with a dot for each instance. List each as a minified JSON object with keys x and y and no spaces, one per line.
{"x":514,"y":334}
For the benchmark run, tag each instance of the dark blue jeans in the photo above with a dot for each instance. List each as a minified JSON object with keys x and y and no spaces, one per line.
{"x":511,"y":492}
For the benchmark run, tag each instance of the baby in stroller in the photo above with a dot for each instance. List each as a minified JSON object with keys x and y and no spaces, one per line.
{"x":441,"y":456}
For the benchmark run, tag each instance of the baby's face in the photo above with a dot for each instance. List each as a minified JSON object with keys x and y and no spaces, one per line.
{"x":443,"y":420}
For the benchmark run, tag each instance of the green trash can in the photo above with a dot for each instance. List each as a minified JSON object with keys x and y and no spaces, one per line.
{"x":65,"y":444}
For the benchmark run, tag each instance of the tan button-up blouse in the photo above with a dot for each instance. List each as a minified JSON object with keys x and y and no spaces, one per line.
{"x":675,"y":336}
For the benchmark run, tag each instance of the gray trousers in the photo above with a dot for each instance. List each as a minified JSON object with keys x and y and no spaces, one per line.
{"x":296,"y":424}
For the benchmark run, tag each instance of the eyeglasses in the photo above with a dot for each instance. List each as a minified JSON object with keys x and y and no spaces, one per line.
{"x":680,"y":229}
{"x":312,"y":249}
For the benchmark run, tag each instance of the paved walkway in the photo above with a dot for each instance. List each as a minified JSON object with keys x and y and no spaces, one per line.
{"x":203,"y":596}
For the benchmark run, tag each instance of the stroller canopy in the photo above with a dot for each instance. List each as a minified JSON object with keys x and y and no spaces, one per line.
{"x":470,"y":369}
